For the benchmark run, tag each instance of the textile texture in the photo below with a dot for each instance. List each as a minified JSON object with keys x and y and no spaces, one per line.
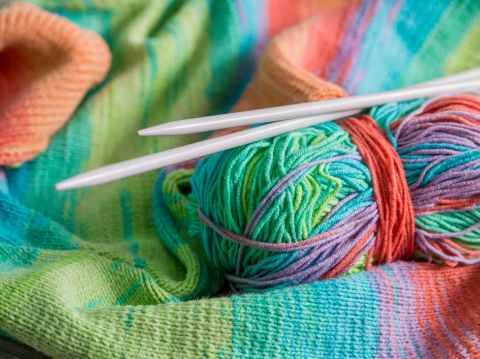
{"x":47,"y":66}
{"x":113,"y":272}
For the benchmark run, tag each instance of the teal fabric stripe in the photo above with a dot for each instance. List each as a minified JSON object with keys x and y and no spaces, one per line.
{"x":377,"y":69}
{"x":443,"y":42}
{"x":320,"y":308}
{"x":70,"y":144}
{"x":22,"y":226}
{"x":128,"y":229}
{"x":251,"y":18}
{"x":3,"y":181}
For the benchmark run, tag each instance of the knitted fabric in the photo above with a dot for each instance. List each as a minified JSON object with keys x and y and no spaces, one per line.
{"x":92,"y":273}
{"x":365,"y":47}
{"x":47,"y":65}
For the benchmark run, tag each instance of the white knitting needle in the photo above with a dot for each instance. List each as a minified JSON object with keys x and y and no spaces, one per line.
{"x":203,"y":148}
{"x":194,"y":150}
{"x":280,"y":113}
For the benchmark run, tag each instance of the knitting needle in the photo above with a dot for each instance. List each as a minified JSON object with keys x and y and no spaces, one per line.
{"x":184,"y":153}
{"x":280,"y":113}
{"x":203,"y":148}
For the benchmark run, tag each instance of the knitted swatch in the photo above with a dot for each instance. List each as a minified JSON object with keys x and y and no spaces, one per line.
{"x":47,"y":65}
{"x":92,"y":273}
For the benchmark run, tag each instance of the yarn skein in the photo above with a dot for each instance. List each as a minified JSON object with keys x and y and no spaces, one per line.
{"x":336,"y":198}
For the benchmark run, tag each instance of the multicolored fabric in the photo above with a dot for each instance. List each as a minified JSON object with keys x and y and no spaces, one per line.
{"x":111,"y":271}
{"x":366,"y":47}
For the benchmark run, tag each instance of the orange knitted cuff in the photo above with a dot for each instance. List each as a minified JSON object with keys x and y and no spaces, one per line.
{"x":47,"y":64}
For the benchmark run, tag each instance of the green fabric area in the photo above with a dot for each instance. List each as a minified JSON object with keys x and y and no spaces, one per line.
{"x":165,"y":55}
{"x":161,"y":71}
{"x":455,"y":21}
{"x":91,"y":258}
{"x":195,"y":275}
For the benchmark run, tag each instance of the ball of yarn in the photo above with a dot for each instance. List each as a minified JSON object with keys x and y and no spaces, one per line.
{"x":336,"y":198}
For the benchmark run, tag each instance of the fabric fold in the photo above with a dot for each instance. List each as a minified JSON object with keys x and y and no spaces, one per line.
{"x":47,"y":65}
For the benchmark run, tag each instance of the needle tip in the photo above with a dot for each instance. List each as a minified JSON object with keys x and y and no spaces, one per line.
{"x":61,"y":186}
{"x":148,"y":132}
{"x":71,"y":183}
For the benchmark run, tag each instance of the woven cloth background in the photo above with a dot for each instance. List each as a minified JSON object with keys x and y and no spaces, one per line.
{"x":109,"y":271}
